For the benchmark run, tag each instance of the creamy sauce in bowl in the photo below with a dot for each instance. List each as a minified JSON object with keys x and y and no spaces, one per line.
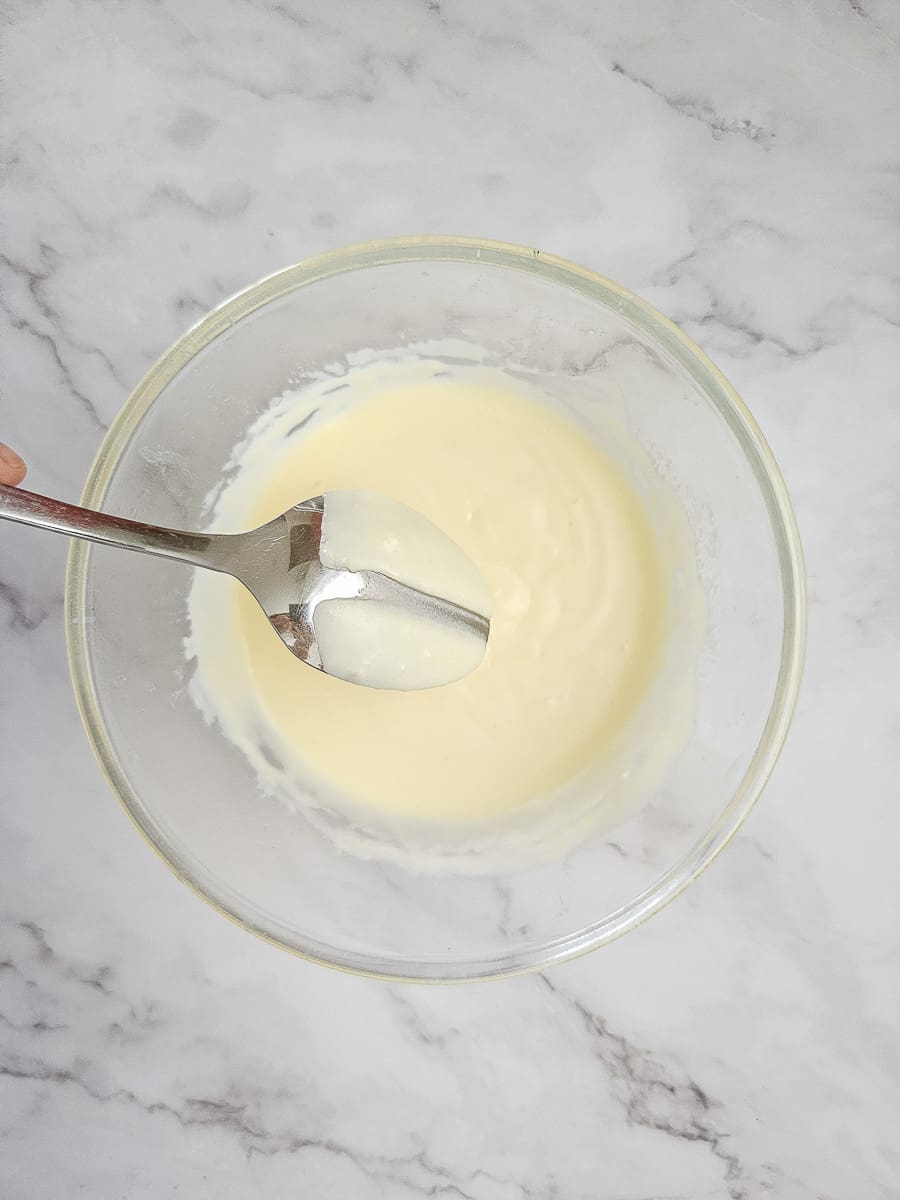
{"x":579,"y":591}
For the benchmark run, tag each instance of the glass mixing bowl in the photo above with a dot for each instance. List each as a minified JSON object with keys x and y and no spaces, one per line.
{"x":594,"y":351}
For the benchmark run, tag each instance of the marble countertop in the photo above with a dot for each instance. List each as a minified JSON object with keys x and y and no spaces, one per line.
{"x":738,"y":164}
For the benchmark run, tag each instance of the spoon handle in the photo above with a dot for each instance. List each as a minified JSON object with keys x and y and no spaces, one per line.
{"x":30,"y":509}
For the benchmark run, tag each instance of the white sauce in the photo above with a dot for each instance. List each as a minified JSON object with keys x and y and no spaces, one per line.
{"x":575,"y":685}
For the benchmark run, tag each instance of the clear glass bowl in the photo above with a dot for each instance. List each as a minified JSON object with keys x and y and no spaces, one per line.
{"x":588,"y":345}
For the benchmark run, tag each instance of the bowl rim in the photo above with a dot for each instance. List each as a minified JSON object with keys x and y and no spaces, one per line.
{"x":718,"y":391}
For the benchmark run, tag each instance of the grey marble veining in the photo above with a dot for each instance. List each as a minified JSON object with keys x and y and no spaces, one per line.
{"x":738,"y":164}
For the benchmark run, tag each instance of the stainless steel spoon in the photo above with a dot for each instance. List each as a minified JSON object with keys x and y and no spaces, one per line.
{"x":279,"y":563}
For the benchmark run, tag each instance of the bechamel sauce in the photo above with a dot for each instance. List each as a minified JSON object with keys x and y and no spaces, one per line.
{"x":578,"y":586}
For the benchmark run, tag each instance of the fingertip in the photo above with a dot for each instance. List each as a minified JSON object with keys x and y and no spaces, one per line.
{"x":12,"y":466}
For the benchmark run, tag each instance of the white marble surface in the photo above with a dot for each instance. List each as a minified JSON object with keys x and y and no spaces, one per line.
{"x":739,"y":165}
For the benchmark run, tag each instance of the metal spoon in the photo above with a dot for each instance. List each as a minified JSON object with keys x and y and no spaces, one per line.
{"x":279,"y":563}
